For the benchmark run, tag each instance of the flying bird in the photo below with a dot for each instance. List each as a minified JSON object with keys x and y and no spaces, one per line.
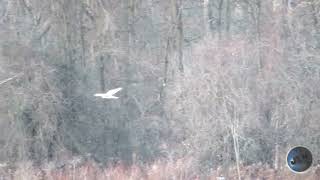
{"x":110,"y":94}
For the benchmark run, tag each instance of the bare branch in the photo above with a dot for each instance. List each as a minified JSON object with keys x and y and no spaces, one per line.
{"x":9,"y":79}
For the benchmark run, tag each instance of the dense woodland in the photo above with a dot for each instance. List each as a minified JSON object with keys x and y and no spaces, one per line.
{"x":222,"y":83}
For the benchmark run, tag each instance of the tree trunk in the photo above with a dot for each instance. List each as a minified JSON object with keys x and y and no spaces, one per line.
{"x":258,"y":26}
{"x":165,"y":74}
{"x":150,"y":4}
{"x":220,"y":19}
{"x":276,"y":152}
{"x":276,"y":157}
{"x":180,"y":37}
{"x":228,"y":17}
{"x":206,"y":21}
{"x":315,"y":22}
{"x":236,"y":149}
{"x":178,"y":24}
{"x":82,"y":34}
{"x":210,"y":17}
{"x":101,"y":70}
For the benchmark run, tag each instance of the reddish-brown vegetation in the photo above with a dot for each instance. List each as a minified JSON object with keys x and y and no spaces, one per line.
{"x":157,"y":171}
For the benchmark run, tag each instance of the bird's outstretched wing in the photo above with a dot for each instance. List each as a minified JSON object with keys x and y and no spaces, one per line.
{"x":109,"y":95}
{"x":113,"y":91}
{"x":98,"y":94}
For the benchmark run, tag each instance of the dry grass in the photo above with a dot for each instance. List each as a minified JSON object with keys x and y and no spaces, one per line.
{"x":159,"y":170}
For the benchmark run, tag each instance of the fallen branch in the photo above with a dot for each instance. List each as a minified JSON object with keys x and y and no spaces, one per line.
{"x":9,"y":79}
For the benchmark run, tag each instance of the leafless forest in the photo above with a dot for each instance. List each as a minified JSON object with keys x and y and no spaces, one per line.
{"x":210,"y":88}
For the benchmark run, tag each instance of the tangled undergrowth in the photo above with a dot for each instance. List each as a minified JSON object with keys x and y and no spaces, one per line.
{"x":78,"y":169}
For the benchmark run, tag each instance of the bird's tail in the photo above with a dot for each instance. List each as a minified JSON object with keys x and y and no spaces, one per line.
{"x":110,"y":97}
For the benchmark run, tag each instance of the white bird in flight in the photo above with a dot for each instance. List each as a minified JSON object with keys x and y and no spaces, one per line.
{"x":110,"y":94}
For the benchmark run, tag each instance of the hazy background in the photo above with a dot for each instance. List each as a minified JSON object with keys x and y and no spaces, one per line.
{"x":221,"y":82}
